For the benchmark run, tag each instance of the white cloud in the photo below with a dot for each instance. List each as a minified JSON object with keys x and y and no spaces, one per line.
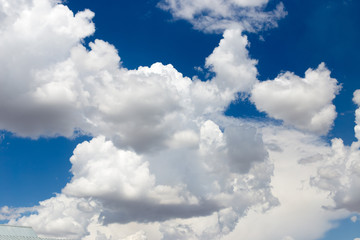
{"x":63,"y":87}
{"x":122,"y":231}
{"x":116,"y":186}
{"x":8,"y":213}
{"x":35,"y":35}
{"x":300,"y":204}
{"x":151,"y":167}
{"x":62,"y":216}
{"x":340,"y":175}
{"x":216,"y":15}
{"x":356,"y":100}
{"x":210,"y":227}
{"x":137,"y":236}
{"x":305,"y":103}
{"x":353,"y":219}
{"x":164,"y":161}
{"x":122,"y":182}
{"x":235,"y":71}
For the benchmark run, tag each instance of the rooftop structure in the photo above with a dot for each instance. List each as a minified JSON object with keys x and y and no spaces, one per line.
{"x":8,"y":232}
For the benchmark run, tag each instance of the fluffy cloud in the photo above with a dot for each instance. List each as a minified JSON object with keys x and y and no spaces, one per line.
{"x":295,"y":157}
{"x":62,"y":216}
{"x":149,"y":162}
{"x":136,"y":107}
{"x":340,"y":176}
{"x":64,"y":87}
{"x":35,"y":35}
{"x":305,"y":103}
{"x":299,"y":202}
{"x":235,"y":71}
{"x":125,"y":187}
{"x":164,"y":161}
{"x":139,"y":108}
{"x":122,"y":181}
{"x":214,"y":15}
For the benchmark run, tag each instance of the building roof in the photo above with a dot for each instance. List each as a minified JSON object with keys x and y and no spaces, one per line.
{"x":8,"y":232}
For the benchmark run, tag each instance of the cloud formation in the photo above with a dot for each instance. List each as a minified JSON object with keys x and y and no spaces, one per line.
{"x":305,"y":103}
{"x":38,"y":34}
{"x":156,"y":147}
{"x":122,"y":181}
{"x":63,"y":87}
{"x":341,"y":173}
{"x":213,"y":15}
{"x":62,"y":216}
{"x":122,"y":188}
{"x":164,"y":161}
{"x":235,"y":70}
{"x":300,"y":204}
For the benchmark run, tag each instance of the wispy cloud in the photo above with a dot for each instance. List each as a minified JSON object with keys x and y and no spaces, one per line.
{"x":213,"y":15}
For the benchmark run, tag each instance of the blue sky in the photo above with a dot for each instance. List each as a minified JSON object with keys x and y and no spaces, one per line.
{"x":231,"y":132}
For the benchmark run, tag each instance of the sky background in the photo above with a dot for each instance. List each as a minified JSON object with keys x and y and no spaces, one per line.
{"x":35,"y":150}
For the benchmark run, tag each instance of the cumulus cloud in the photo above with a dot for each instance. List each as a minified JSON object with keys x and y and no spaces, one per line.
{"x":63,"y":87}
{"x":340,"y":176}
{"x":121,"y":180}
{"x":300,"y":204}
{"x":235,"y":71}
{"x":61,"y":216}
{"x":151,"y":126}
{"x":214,"y":15}
{"x":300,"y":201}
{"x":111,"y":185}
{"x":155,"y":152}
{"x":37,"y":34}
{"x":139,"y":108}
{"x":305,"y":103}
{"x":164,"y":161}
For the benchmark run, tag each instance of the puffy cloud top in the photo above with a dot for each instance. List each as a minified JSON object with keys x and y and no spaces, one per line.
{"x":157,"y":143}
{"x":305,"y":103}
{"x":35,"y":35}
{"x":234,"y":69}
